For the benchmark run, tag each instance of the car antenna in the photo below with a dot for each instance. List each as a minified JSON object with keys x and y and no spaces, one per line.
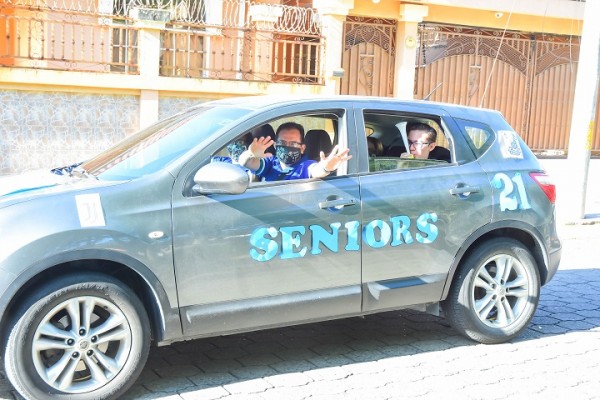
{"x":434,"y":89}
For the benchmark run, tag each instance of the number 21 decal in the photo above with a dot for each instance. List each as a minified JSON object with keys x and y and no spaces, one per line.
{"x":509,"y":198}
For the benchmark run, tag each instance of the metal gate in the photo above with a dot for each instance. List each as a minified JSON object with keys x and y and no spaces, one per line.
{"x":529,"y":78}
{"x":368,"y":58}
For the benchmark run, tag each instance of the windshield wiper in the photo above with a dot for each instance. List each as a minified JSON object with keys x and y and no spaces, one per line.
{"x":65,"y":170}
{"x":75,"y":170}
{"x":80,"y":172}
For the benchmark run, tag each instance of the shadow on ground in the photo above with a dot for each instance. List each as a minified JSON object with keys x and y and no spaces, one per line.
{"x":570,"y":303}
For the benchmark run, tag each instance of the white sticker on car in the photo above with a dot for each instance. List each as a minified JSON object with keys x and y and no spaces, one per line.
{"x":89,"y":209}
{"x":509,"y":144}
{"x":510,"y":199}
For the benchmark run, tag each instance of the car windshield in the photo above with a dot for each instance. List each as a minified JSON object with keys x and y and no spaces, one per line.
{"x":160,"y":144}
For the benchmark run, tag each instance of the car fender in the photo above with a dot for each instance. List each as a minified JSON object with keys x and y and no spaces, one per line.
{"x":540,"y":252}
{"x":167,"y":324}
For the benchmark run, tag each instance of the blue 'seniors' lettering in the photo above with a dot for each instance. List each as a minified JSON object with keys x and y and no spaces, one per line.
{"x":427,"y":228}
{"x":400,"y":225}
{"x":269,"y":247}
{"x":290,"y":238}
{"x":375,"y":234}
{"x":352,"y":227}
{"x":321,"y":235}
{"x":385,"y":233}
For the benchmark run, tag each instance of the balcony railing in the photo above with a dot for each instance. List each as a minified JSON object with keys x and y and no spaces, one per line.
{"x":216,"y":39}
{"x":47,"y":39}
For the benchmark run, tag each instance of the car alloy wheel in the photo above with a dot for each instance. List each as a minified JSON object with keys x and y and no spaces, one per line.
{"x":500,"y":291}
{"x":495,"y":292}
{"x":81,"y":344}
{"x":78,"y":337}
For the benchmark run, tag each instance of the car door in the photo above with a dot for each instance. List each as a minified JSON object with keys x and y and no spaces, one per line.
{"x":276,"y":254}
{"x":416,"y":219}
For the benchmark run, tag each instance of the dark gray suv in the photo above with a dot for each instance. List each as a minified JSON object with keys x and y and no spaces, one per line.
{"x":164,"y":237}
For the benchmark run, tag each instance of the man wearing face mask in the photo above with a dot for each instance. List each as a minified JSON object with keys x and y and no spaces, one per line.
{"x":289,"y":161}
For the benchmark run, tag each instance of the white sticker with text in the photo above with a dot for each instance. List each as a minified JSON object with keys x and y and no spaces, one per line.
{"x":89,"y":209}
{"x":509,"y":144}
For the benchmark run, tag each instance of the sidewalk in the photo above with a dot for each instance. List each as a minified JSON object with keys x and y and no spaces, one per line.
{"x":559,"y":171}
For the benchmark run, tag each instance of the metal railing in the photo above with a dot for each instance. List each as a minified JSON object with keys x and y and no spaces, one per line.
{"x":75,"y":41}
{"x":229,"y":14}
{"x":242,"y":40}
{"x":216,"y":39}
{"x":239,"y":54}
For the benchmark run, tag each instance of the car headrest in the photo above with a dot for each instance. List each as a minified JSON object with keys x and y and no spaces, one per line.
{"x":317,"y":140}
{"x":440,"y":153}
{"x":375,"y":146}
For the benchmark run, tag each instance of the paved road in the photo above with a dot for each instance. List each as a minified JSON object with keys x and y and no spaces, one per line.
{"x":400,"y":355}
{"x":403,"y":354}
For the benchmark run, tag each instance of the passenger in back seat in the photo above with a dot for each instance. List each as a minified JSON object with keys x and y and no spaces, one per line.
{"x":375,"y":146}
{"x":234,"y":150}
{"x":421,"y":143}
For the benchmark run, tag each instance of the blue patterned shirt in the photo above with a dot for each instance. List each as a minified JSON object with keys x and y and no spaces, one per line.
{"x":270,"y":169}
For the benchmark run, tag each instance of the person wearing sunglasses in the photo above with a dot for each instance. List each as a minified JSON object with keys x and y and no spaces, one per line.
{"x":421,"y":140}
{"x":289,"y":161}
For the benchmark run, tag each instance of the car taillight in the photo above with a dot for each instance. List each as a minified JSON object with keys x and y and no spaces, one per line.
{"x":546,"y":183}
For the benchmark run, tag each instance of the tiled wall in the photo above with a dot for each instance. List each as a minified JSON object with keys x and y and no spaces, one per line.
{"x":171,"y":105}
{"x":50,"y":129}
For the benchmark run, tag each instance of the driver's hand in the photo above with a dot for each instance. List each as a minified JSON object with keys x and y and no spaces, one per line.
{"x":259,"y":145}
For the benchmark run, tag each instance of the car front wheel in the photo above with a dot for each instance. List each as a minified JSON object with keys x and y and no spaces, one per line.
{"x":494,"y":293}
{"x":79,"y":337}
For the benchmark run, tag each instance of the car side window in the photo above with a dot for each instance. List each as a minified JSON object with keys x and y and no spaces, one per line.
{"x":403,"y":141}
{"x":232,"y":151}
{"x":321,"y":134}
{"x":479,"y":136}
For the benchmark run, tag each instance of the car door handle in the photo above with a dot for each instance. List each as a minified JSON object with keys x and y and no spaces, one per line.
{"x":337,"y":203}
{"x":464,"y":190}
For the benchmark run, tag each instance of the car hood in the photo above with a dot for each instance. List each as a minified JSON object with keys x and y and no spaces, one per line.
{"x":23,"y":187}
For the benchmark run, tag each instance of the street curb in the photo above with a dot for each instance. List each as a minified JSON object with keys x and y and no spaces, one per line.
{"x":588,"y":220}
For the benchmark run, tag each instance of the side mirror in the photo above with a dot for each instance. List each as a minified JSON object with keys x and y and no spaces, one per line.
{"x":221,"y":178}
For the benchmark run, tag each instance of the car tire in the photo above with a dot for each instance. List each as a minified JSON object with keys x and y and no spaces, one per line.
{"x":47,"y":356}
{"x":495,"y":292}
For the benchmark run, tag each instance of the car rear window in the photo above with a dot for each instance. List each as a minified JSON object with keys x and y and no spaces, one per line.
{"x":387,"y":141}
{"x":479,"y":136}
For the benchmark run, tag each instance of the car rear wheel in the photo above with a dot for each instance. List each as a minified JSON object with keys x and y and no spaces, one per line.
{"x":80,"y":337}
{"x":495,"y":292}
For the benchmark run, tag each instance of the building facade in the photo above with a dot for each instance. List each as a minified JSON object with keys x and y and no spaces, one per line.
{"x":77,"y":76}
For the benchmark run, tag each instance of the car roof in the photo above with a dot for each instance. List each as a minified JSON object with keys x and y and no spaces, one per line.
{"x":267,"y":101}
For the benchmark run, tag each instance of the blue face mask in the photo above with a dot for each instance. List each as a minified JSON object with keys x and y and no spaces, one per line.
{"x":288,"y":155}
{"x":235,"y":149}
